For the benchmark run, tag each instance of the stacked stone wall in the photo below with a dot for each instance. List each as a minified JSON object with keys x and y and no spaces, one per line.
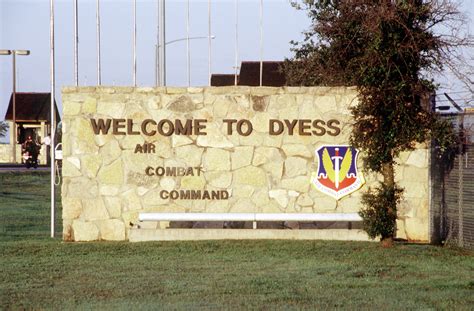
{"x":106,"y":183}
{"x":5,"y":153}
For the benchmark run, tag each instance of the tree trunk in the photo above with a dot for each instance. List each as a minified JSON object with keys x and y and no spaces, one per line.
{"x":388,"y":173}
{"x":387,"y":242}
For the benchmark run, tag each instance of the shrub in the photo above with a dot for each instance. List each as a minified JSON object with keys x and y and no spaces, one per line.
{"x":379,"y":213}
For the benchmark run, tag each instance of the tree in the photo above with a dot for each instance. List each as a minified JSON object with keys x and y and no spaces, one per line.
{"x":3,"y":128}
{"x":387,"y":49}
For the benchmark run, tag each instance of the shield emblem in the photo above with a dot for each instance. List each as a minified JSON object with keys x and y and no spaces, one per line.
{"x":337,"y":173}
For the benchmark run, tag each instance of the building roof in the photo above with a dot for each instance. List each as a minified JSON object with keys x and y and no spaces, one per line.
{"x":30,"y":107}
{"x":271,"y":76}
{"x":223,"y":79}
{"x":250,"y":75}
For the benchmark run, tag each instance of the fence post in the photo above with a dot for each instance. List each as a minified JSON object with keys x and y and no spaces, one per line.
{"x":460,"y":181}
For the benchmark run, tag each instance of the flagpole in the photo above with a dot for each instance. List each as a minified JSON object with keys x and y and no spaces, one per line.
{"x":261,"y":42}
{"x":209,"y":42}
{"x":236,"y":40}
{"x":99,"y":82}
{"x":52,"y":110}
{"x":188,"y":53}
{"x":161,"y":44}
{"x":76,"y":43}
{"x":134,"y":42}
{"x":157,"y":46}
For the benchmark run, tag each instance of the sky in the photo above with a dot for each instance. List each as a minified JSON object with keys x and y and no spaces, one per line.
{"x":24,"y":24}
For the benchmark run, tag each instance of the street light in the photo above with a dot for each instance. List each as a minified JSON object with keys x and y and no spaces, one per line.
{"x":190,"y":38}
{"x":14,"y":53}
{"x":159,"y":69}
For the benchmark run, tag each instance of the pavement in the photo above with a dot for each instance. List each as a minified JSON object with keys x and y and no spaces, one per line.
{"x":10,"y":167}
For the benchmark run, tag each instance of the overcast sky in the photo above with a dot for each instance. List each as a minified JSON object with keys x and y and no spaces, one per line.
{"x":24,"y":24}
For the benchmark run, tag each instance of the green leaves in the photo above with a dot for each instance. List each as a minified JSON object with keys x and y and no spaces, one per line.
{"x":382,"y":47}
{"x":379,"y":213}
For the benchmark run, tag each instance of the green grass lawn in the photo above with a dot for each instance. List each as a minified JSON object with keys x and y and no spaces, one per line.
{"x":37,"y":272}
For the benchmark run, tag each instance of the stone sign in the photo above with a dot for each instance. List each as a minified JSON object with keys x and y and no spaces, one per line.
{"x":216,"y":150}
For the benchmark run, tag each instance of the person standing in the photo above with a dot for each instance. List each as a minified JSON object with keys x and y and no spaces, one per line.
{"x":31,"y":147}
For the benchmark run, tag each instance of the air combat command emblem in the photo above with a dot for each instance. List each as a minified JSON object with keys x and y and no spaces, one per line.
{"x":337,"y":173}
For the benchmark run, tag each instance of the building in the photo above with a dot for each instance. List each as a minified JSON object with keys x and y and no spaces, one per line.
{"x":250,"y":75}
{"x":32,"y":119}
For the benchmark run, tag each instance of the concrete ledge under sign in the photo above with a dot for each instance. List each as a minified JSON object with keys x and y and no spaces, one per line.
{"x":143,"y":235}
{"x":249,"y":217}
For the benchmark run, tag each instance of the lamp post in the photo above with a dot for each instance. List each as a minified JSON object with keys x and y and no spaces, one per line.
{"x":161,"y":69}
{"x":14,"y":53}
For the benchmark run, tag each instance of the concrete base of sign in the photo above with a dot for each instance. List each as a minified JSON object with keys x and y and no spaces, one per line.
{"x":143,"y":235}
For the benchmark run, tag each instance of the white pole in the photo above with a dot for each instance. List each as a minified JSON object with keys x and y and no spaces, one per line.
{"x":52,"y":109}
{"x":236,"y":40}
{"x":76,"y":43}
{"x":157,"y":60}
{"x":261,"y":42}
{"x":14,"y":135}
{"x":134,"y":42}
{"x":209,"y":42}
{"x":157,"y":46}
{"x":98,"y":42}
{"x":188,"y":53}
{"x":161,"y":45}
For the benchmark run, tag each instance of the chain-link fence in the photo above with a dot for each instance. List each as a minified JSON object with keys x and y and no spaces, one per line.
{"x":452,"y":184}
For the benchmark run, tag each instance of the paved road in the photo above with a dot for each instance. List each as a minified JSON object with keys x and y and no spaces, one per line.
{"x":21,"y":168}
